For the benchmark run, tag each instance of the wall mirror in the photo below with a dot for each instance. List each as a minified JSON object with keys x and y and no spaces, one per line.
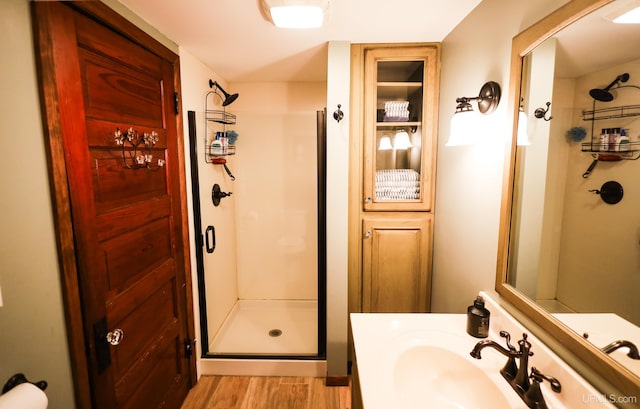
{"x":567,"y":259}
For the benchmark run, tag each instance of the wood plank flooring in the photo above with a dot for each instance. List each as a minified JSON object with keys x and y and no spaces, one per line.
{"x":266,"y":392}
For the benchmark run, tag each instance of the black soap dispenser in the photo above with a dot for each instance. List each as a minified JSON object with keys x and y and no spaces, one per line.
{"x":478,"y":319}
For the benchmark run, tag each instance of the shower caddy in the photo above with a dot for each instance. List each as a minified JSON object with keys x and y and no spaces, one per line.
{"x":218,"y":116}
{"x":623,"y":111}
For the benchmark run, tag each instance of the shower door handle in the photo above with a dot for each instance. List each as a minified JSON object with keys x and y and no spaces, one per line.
{"x":210,"y":239}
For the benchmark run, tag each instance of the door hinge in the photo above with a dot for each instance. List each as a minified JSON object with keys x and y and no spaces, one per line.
{"x":188,"y":347}
{"x":103,"y":354}
{"x":176,"y":101}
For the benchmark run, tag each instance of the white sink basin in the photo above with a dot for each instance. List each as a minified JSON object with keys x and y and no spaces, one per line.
{"x":412,"y":361}
{"x":427,"y":376}
{"x":432,"y":368}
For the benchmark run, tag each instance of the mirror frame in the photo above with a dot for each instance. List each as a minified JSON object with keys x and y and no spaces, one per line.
{"x":614,"y":373}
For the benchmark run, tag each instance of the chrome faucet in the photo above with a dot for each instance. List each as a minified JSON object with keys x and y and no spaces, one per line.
{"x":633,"y":350}
{"x":517,"y":375}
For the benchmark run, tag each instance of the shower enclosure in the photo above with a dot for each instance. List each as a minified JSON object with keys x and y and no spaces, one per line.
{"x":261,"y":270}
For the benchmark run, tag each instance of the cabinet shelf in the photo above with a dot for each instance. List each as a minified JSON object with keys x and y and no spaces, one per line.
{"x":398,"y":124}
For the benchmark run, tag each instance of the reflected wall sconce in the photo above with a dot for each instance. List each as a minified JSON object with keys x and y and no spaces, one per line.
{"x":401,"y":140}
{"x":132,"y":139}
{"x":541,"y":113}
{"x":523,"y":128}
{"x":296,"y":13}
{"x":227,"y":99}
{"x":464,"y":120}
{"x":385,"y":144}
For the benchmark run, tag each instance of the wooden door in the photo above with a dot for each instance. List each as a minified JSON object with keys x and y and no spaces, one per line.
{"x":128,"y":222}
{"x":396,"y":265}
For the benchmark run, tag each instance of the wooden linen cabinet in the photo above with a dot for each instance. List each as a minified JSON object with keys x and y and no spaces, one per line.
{"x":394,"y":126}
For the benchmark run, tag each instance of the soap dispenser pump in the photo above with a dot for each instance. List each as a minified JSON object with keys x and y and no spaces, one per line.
{"x":478,"y":319}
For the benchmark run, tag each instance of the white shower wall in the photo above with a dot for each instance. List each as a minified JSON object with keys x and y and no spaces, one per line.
{"x":276,"y":190}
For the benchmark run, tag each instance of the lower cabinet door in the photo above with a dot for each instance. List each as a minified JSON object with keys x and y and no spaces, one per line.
{"x":396,"y":265}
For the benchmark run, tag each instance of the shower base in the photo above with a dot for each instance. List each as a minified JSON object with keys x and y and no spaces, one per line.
{"x":269,"y":327}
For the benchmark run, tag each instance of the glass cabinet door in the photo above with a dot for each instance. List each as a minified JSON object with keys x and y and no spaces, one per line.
{"x":398,"y":129}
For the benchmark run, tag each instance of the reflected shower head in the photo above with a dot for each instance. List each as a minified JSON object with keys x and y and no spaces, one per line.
{"x":603,"y":94}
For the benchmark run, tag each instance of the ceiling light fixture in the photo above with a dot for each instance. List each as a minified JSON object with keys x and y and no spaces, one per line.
{"x":296,"y":13}
{"x":629,"y":14}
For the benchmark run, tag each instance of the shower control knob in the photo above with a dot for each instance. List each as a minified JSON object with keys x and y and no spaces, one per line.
{"x":115,"y":337}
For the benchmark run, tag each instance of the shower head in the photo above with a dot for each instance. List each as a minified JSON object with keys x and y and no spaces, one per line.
{"x":603,"y":94}
{"x":228,"y":98}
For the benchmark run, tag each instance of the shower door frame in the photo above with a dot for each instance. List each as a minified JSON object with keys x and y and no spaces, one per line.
{"x":322,"y":259}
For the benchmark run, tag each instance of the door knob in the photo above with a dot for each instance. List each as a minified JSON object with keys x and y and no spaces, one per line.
{"x":115,"y":337}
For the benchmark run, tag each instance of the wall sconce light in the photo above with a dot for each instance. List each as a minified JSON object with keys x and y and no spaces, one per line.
{"x":133,"y":138}
{"x":228,"y":98}
{"x":463,"y":122}
{"x":296,"y":13}
{"x":401,"y":140}
{"x":541,"y":113}
{"x":385,"y":144}
{"x":523,"y":127}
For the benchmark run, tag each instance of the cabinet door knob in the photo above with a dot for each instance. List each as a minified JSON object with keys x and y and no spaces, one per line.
{"x":367,"y":234}
{"x":368,"y":199}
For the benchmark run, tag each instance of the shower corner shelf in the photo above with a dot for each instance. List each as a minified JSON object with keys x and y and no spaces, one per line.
{"x":616,"y":112}
{"x":622,"y":111}
{"x":633,"y":153}
{"x":221,"y":117}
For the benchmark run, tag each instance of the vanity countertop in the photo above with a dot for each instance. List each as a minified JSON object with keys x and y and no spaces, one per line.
{"x":394,"y":353}
{"x":602,"y":329}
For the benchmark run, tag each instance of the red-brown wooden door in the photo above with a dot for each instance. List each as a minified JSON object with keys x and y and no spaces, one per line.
{"x":128,"y":224}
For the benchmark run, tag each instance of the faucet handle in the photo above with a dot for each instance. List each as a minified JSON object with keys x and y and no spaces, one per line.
{"x":538,"y":376}
{"x":504,"y":334}
{"x":525,"y":346}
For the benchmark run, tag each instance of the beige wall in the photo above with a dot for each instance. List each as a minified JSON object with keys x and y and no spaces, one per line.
{"x":33,"y":333}
{"x":220,"y":266}
{"x":469,"y":178}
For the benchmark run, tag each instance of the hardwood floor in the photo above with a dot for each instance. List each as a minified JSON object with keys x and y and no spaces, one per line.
{"x":261,"y":392}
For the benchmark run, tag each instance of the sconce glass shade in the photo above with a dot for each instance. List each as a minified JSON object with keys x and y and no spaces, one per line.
{"x":465,"y":120}
{"x":402,"y":141}
{"x":463,"y":127}
{"x":523,"y":134}
{"x":385,"y":144}
{"x":296,"y":13}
